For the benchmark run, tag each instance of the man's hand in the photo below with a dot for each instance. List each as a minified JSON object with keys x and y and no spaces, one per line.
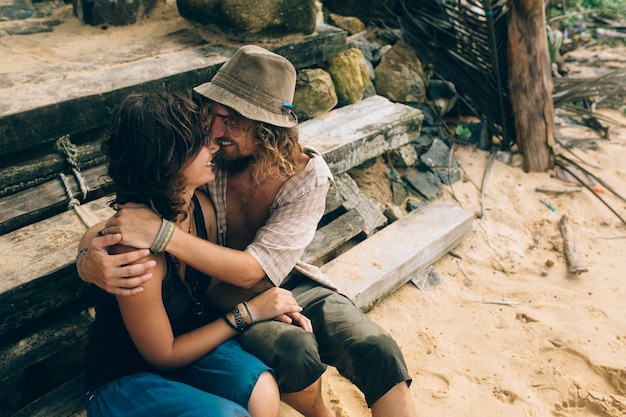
{"x":300,"y":320}
{"x":120,"y":274}
{"x":278,"y":304}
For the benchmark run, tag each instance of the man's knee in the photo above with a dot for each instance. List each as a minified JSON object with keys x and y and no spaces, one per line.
{"x":290,"y":351}
{"x":298,"y":361}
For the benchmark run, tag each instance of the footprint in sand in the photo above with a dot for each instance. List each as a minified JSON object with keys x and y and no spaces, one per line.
{"x":437,"y":384}
{"x":593,"y":390}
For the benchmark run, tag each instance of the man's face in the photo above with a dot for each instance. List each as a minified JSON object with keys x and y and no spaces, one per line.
{"x":237,"y":148}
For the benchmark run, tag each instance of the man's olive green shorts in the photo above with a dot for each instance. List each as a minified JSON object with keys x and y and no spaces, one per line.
{"x":343,"y":336}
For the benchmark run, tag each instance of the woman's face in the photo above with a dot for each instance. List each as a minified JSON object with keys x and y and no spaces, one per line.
{"x":200,"y":170}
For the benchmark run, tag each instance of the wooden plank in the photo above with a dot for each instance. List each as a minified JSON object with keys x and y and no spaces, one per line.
{"x":389,"y":259}
{"x":37,"y":168}
{"x":33,"y":114}
{"x":333,"y":235}
{"x":373,"y":218}
{"x":351,"y":135}
{"x":41,"y":248}
{"x":169,"y":43}
{"x":48,"y":199}
{"x":368,"y":129}
{"x":43,"y":343}
{"x":37,"y":300}
{"x":65,"y":401}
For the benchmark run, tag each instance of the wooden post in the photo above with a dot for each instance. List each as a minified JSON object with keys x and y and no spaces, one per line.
{"x":530,"y":84}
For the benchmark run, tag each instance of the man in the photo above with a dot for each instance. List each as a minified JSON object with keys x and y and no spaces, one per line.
{"x":269,"y":194}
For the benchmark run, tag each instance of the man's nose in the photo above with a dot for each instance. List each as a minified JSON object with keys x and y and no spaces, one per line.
{"x":213,"y":145}
{"x":217,"y":128}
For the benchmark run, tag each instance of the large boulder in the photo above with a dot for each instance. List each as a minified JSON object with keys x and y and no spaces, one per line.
{"x":112,"y":12}
{"x":241,"y":20}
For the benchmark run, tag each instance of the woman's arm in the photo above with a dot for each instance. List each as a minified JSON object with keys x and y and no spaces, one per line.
{"x":148,"y":325}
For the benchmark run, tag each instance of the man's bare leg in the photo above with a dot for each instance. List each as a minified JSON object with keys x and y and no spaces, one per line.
{"x":396,"y":402}
{"x":309,"y":401}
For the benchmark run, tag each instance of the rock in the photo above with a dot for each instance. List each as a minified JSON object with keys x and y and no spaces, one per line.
{"x":438,"y":156}
{"x":400,"y":76}
{"x":448,"y":175}
{"x":404,"y":156}
{"x":367,"y":10}
{"x":398,"y":192}
{"x":414,"y":203}
{"x":348,"y":23}
{"x":315,"y":93}
{"x":267,"y":19}
{"x":443,"y":95}
{"x":350,"y":76}
{"x":427,"y":184}
{"x":116,"y":13}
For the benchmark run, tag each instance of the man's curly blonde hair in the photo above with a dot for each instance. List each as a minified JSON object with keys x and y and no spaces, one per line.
{"x":278,"y":147}
{"x":278,"y":150}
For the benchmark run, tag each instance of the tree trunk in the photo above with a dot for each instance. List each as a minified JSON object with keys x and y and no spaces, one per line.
{"x":530,"y":84}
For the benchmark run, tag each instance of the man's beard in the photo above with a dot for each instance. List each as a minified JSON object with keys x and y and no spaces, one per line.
{"x":233,"y":164}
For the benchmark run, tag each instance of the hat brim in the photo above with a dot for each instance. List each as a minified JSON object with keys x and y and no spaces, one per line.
{"x":213,"y":92}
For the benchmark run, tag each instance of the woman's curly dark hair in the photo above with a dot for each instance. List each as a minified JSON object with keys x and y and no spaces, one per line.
{"x":153,"y":137}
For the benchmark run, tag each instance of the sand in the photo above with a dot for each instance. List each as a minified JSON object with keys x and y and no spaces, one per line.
{"x":510,"y":331}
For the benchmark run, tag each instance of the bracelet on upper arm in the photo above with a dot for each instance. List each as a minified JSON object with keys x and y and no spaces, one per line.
{"x":163,"y":237}
{"x":79,"y":264}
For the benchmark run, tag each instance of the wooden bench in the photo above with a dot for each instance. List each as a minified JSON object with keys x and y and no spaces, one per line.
{"x":74,"y":100}
{"x":46,"y":308}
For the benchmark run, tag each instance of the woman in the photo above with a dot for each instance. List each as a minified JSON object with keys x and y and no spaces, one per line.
{"x":162,"y":352}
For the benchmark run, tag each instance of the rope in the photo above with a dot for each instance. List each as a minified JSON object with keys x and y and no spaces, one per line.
{"x":69,"y":150}
{"x":65,"y":146}
{"x":73,"y":203}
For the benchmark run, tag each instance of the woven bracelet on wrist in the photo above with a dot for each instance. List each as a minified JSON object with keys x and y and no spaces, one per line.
{"x":245,"y":317}
{"x":79,"y":265}
{"x":163,"y":237}
{"x":230,"y":324}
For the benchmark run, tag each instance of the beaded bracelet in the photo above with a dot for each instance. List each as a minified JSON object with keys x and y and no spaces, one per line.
{"x":79,"y":264}
{"x":241,"y":325}
{"x":163,"y":237}
{"x":245,"y":317}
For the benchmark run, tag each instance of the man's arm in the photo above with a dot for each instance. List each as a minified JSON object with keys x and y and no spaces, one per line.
{"x":227,"y":265}
{"x":138,"y":226}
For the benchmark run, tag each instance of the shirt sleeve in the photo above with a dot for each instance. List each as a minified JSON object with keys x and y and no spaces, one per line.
{"x":292,"y":223}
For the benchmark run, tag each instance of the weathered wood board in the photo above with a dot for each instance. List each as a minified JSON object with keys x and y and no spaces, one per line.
{"x":33,"y":114}
{"x":390,"y":258}
{"x":346,"y":137}
{"x":381,"y":125}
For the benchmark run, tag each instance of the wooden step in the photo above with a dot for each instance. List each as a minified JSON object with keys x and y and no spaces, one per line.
{"x":40,"y":286}
{"x":32,"y":114}
{"x":346,"y":136}
{"x":41,"y":255}
{"x":392,"y":257}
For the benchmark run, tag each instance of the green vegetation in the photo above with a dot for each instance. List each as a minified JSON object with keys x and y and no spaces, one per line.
{"x":570,"y":12}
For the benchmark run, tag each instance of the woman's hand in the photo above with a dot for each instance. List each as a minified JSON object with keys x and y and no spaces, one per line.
{"x":137,"y":224}
{"x":121,"y":274}
{"x":278,"y":303}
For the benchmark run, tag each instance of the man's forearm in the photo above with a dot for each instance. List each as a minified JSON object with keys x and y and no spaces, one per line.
{"x":228,"y":265}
